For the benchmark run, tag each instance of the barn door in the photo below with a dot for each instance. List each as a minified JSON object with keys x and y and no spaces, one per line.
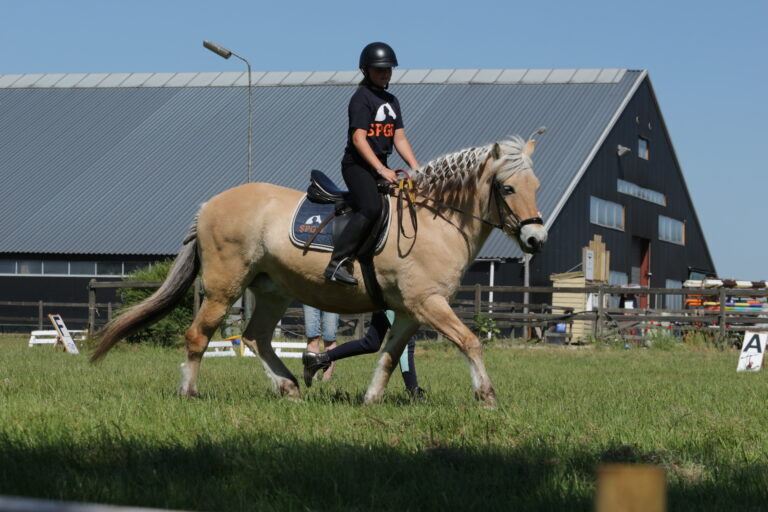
{"x":641,"y":265}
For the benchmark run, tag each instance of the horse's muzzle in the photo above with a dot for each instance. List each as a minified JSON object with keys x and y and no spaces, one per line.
{"x":532,"y":238}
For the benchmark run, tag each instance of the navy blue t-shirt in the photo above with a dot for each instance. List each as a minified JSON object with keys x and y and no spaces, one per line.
{"x":377,"y":112}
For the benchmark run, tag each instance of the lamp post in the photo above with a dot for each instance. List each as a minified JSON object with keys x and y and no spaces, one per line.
{"x":226,"y":53}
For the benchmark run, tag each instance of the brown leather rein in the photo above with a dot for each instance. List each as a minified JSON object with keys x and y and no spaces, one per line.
{"x":406,"y":192}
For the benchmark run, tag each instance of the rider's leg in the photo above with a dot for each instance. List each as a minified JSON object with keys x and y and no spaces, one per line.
{"x":361,"y":182}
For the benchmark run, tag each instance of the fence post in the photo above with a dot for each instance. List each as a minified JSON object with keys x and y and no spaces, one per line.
{"x":109,"y":311}
{"x":600,"y":312}
{"x":40,"y":315}
{"x":478,"y":296}
{"x":91,"y":306}
{"x":722,"y":314}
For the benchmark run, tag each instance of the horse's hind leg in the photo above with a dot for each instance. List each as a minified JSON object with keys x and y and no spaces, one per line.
{"x":401,"y":332}
{"x":198,"y":335}
{"x":269,"y":309}
{"x":436,"y":312}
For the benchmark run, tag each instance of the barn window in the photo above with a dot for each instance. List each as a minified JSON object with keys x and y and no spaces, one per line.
{"x":671,"y":230}
{"x":130,"y":266}
{"x":7,"y":266}
{"x":109,"y":268}
{"x":673,"y":301}
{"x":646,"y":194}
{"x":643,"y":148}
{"x":82,"y":268}
{"x":616,"y":279}
{"x":30,"y":267}
{"x":56,"y":267}
{"x":606,"y":213}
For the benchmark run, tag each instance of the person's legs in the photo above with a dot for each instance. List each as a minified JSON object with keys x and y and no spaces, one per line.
{"x":370,"y":343}
{"x":330,"y":326}
{"x":407,"y":367}
{"x":312,"y":328}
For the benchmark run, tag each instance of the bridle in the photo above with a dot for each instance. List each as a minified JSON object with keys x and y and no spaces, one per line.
{"x":503,"y":211}
{"x":503,"y":208}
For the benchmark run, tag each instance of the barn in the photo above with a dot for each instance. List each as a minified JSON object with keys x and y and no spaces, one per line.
{"x":102,"y":173}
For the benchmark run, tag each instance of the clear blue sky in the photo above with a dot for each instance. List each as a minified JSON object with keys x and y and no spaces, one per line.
{"x":707,"y":61}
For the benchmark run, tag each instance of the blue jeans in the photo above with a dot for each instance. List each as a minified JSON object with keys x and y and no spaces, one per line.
{"x":318,"y":322}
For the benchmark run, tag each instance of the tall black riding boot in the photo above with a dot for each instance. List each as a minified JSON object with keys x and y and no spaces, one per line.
{"x":341,"y":267}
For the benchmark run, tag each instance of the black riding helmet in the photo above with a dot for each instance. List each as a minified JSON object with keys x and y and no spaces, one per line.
{"x":378,"y":55}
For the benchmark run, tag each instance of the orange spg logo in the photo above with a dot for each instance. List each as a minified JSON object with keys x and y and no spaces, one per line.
{"x":378,"y":129}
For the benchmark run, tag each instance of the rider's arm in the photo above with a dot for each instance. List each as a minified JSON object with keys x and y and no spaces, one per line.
{"x":364,"y":149}
{"x":403,"y":147}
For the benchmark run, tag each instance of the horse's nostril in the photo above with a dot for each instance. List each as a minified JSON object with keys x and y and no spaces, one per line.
{"x":533,"y":242}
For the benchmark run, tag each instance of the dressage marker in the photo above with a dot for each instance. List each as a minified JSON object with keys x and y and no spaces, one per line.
{"x":60,"y":334}
{"x":752,"y":351}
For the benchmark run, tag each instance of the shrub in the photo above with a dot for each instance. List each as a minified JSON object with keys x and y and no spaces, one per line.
{"x":167,"y":331}
{"x":485,"y":325}
{"x":663,"y":339}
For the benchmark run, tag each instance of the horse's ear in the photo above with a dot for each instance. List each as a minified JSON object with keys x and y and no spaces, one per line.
{"x":529,"y":147}
{"x":496,"y":151}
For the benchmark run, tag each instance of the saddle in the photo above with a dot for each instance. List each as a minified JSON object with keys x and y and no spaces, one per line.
{"x":322,"y":215}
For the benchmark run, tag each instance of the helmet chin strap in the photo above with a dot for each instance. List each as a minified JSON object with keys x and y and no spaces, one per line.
{"x":370,"y":82}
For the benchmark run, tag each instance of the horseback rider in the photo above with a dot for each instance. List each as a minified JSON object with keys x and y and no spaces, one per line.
{"x":375,"y":126}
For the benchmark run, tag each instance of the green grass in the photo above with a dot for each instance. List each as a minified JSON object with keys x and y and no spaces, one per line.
{"x":116,"y":432}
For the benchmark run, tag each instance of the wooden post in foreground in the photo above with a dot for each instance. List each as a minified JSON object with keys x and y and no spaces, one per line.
{"x":721,"y":297}
{"x":630,"y":488}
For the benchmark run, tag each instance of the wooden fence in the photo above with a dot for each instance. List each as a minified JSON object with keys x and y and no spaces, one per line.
{"x":475,"y":305}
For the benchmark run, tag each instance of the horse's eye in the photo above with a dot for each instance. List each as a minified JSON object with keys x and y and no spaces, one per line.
{"x":508,"y":190}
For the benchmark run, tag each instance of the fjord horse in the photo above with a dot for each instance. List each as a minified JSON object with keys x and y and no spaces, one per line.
{"x":240,"y":240}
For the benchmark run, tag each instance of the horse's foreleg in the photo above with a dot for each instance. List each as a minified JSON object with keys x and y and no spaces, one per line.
{"x":438,"y":313}
{"x":401,"y":332}
{"x":269,"y":309}
{"x":198,"y":335}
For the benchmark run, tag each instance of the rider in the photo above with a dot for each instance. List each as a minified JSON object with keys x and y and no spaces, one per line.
{"x":375,"y":126}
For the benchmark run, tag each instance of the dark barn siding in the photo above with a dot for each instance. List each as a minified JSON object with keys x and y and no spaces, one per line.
{"x":572,"y":229}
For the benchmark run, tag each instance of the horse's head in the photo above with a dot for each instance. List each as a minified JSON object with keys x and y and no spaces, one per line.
{"x":514,"y":188}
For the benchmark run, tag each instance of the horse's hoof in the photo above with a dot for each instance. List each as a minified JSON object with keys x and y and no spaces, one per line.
{"x":192,"y":393}
{"x":488,"y":399}
{"x":290,"y":391}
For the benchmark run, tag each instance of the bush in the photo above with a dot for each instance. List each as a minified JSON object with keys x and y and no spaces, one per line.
{"x":663,"y":339}
{"x":167,"y":331}
{"x":485,"y":325}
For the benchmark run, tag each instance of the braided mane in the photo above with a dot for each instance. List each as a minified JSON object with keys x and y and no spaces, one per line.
{"x":457,"y":172}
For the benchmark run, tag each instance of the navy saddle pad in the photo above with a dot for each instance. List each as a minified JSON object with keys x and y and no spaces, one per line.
{"x":309,"y":215}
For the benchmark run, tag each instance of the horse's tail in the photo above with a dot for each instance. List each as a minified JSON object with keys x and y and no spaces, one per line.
{"x":157,"y":305}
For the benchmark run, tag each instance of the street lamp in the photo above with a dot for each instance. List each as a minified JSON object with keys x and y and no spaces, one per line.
{"x":226,"y":53}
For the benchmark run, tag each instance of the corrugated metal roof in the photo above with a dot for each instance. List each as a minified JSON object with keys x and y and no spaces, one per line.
{"x":119,"y":163}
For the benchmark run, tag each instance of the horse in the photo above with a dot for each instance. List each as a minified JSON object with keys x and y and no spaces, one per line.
{"x":239,"y":240}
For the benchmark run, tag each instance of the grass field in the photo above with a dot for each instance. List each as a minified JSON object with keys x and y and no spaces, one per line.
{"x":116,"y":432}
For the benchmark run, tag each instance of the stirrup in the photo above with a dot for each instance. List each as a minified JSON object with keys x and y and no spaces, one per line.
{"x":340,"y":273}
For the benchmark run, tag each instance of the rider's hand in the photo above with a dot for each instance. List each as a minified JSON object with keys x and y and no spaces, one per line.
{"x":388,"y":174}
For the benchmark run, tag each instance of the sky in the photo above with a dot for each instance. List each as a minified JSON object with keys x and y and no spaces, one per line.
{"x":706,"y":60}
